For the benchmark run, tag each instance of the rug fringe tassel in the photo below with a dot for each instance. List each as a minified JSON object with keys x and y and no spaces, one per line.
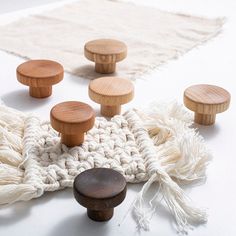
{"x":11,"y":176}
{"x":12,"y":193}
{"x":180,"y":153}
{"x":179,"y":204}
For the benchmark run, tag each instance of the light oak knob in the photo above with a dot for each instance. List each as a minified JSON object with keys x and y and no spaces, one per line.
{"x":72,"y":119}
{"x":105,"y":53}
{"x":100,"y":190}
{"x":111,"y":93}
{"x":206,"y":101}
{"x":40,"y":75}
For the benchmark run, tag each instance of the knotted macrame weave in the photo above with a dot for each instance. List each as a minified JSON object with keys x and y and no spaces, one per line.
{"x":157,"y":146}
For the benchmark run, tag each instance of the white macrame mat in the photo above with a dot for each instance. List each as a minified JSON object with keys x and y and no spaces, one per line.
{"x":153,"y":37}
{"x":156,"y":145}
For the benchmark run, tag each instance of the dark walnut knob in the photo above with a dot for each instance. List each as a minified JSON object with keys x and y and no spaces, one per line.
{"x":111,"y":93}
{"x":40,"y":75}
{"x":100,"y":190}
{"x":206,"y":101}
{"x":72,"y":120}
{"x":105,"y":53}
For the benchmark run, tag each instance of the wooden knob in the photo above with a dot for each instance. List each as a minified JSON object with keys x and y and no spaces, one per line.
{"x":105,"y":53}
{"x":206,"y":101}
{"x":40,"y":75}
{"x":72,"y":120}
{"x":100,"y":190}
{"x":111,"y":93}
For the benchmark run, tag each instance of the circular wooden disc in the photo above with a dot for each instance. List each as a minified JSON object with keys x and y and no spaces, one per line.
{"x":72,"y":117}
{"x":100,"y":188}
{"x":111,"y":91}
{"x":206,"y":99}
{"x":40,"y":73}
{"x":105,"y":51}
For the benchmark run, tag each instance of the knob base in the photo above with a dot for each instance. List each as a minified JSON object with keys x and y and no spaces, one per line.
{"x":204,"y":119}
{"x":110,"y":111}
{"x":105,"y":68}
{"x":104,"y":215}
{"x":72,"y":140}
{"x":40,"y":92}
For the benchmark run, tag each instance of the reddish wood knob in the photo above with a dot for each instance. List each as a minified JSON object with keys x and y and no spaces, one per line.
{"x":111,"y":93}
{"x":72,"y":120}
{"x":105,"y":53}
{"x":206,"y":101}
{"x":40,"y":75}
{"x":100,"y":190}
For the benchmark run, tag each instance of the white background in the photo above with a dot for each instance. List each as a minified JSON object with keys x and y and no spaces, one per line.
{"x":214,"y":62}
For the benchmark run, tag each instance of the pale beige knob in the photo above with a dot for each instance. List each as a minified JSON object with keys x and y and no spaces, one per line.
{"x":72,"y":119}
{"x":206,"y":101}
{"x":105,"y":53}
{"x":111,"y":93}
{"x":40,"y":75}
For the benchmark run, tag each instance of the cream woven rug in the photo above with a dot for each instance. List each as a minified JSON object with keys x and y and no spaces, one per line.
{"x":153,"y":36}
{"x":153,"y":146}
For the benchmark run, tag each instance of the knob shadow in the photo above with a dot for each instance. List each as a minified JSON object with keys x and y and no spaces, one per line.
{"x":88,"y":72}
{"x":20,"y":99}
{"x":208,"y":132}
{"x":80,"y":224}
{"x":12,"y":214}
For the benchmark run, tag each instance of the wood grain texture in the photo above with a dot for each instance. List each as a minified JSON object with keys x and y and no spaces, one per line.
{"x":111,"y":93}
{"x":110,"y":111}
{"x":72,"y":119}
{"x":99,"y":190}
{"x":105,"y":53}
{"x":40,"y":75}
{"x":206,"y":101}
{"x":105,"y":68}
{"x":40,"y":92}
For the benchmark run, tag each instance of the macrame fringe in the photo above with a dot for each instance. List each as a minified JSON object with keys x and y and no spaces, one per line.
{"x":181,"y":207}
{"x":180,"y":154}
{"x":21,"y":192}
{"x":12,"y":188}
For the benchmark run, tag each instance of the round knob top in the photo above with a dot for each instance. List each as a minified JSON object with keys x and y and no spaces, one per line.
{"x":108,"y":47}
{"x":103,"y":184}
{"x":40,"y":73}
{"x":72,"y":117}
{"x":206,"y":99}
{"x":111,"y":91}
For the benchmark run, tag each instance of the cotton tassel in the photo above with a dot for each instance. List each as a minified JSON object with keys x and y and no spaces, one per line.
{"x":179,"y":204}
{"x":13,"y":192}
{"x":11,"y":138}
{"x":144,"y":214}
{"x":183,"y":209}
{"x":180,"y":153}
{"x":10,"y":175}
{"x":10,"y":157}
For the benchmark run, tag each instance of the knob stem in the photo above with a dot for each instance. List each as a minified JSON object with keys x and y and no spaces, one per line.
{"x":40,"y":92}
{"x":100,"y":215}
{"x":110,"y":111}
{"x":72,"y":140}
{"x":204,"y":119}
{"x":105,"y":68}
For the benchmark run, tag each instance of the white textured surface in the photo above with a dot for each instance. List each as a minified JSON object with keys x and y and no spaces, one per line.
{"x":13,"y":5}
{"x":58,"y":214}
